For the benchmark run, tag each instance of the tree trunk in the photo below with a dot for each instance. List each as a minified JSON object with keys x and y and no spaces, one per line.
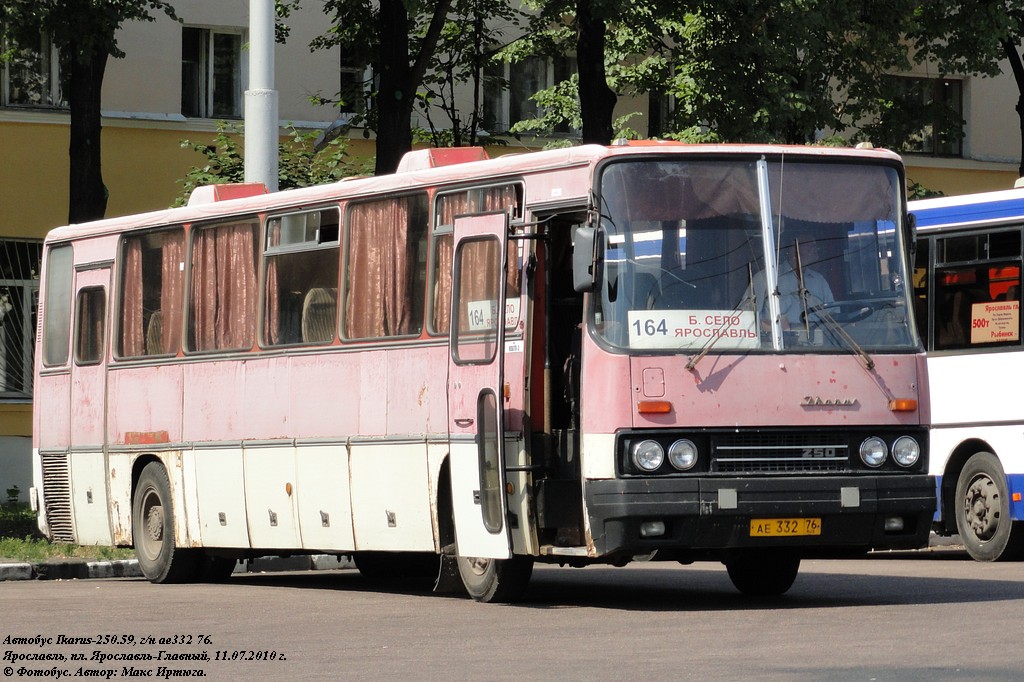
{"x":1018,"y":75}
{"x":87,"y":194}
{"x":399,"y":79}
{"x":394,"y":97}
{"x":597,"y":100}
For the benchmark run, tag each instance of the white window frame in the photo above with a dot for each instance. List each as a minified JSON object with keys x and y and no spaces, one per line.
{"x":53,"y":98}
{"x":205,"y":107}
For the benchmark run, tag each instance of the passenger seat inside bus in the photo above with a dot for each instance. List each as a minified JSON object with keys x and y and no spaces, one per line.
{"x":155,"y":334}
{"x":318,"y":315}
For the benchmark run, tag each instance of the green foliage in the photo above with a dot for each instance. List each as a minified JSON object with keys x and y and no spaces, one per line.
{"x":16,"y":518}
{"x":916,"y":190}
{"x":300,"y":163}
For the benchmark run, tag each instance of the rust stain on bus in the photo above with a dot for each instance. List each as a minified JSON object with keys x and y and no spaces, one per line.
{"x":146,"y":437}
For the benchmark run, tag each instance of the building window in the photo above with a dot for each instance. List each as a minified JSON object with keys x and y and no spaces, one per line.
{"x":19,"y":304}
{"x":939,"y":103}
{"x":32,"y":76}
{"x":353,"y":81}
{"x":211,"y":73}
{"x":509,"y":87}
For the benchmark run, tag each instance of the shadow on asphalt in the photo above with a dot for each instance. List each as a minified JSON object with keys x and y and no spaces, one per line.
{"x":700,"y":587}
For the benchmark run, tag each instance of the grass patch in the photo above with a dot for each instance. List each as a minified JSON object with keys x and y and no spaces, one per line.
{"x":20,"y":539}
{"x":33,"y":550}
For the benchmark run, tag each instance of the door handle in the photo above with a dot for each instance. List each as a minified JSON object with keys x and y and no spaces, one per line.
{"x":463,"y":421}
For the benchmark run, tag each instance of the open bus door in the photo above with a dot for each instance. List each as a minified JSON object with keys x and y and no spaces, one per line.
{"x":476,"y":387}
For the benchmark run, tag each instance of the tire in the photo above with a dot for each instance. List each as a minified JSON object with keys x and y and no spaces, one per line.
{"x":397,"y":566}
{"x":763,"y":573}
{"x":495,"y":580}
{"x":982,"y":508}
{"x":153,"y":530}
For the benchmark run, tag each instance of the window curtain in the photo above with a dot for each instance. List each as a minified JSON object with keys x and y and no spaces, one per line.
{"x":172,"y":290}
{"x":272,"y":289}
{"x":378,"y":302}
{"x":132,"y":340}
{"x":475,"y":201}
{"x":223,"y":307}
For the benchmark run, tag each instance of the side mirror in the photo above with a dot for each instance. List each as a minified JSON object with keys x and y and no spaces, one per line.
{"x":912,"y":233}
{"x":584,"y":256}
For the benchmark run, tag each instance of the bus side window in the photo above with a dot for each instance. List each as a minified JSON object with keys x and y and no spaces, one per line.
{"x":222,"y":313}
{"x":386,"y":268}
{"x":301,"y":261}
{"x":152,"y":288}
{"x":57,"y":307}
{"x":91,"y":317}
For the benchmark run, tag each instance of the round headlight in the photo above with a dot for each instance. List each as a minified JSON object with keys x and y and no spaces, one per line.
{"x":906,"y":451}
{"x":873,"y":451}
{"x":682,"y":454}
{"x":648,"y":455}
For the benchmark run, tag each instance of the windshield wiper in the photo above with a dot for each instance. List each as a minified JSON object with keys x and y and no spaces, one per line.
{"x":710,"y":343}
{"x":820,"y":309}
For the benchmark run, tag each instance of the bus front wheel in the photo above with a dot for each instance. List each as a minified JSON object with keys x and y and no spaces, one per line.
{"x":153,"y":530}
{"x":495,"y":580}
{"x":983,"y":511}
{"x":763,"y":573}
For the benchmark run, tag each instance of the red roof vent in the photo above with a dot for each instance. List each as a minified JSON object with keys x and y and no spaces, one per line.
{"x":208,"y":194}
{"x":421,"y":159}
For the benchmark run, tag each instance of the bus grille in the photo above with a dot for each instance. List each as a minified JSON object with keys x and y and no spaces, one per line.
{"x":57,"y":497}
{"x":768,"y":453}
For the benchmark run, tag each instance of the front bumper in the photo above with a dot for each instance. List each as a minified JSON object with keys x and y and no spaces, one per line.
{"x":706,"y":516}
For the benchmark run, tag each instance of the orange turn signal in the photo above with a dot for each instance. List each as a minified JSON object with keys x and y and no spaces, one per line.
{"x":903,"y":404}
{"x":654,"y":407}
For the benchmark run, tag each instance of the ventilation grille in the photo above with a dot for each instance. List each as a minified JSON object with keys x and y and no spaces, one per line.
{"x":767,"y":453}
{"x":57,"y":497}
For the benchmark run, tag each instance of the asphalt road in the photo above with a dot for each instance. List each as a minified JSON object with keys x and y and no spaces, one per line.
{"x":935,"y":616}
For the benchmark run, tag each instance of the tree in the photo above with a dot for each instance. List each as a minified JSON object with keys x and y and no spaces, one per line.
{"x":84,"y":33}
{"x":620,"y":48}
{"x":397,"y":38}
{"x":469,"y":41}
{"x":300,"y":164}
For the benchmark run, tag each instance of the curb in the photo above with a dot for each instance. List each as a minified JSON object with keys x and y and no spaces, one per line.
{"x":129,"y":568}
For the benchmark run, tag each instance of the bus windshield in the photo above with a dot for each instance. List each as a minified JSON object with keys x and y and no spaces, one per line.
{"x":686,"y":269}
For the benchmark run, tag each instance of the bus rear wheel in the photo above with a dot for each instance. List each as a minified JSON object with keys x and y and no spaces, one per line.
{"x":982,"y":510}
{"x":763,"y":573}
{"x":153,"y":530}
{"x":495,"y":580}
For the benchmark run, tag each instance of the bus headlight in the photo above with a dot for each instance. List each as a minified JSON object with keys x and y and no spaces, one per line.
{"x":873,"y":451}
{"x":906,"y":451}
{"x":648,"y":455}
{"x":682,"y":454}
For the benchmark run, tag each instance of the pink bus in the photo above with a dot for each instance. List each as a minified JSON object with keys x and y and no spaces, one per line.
{"x":578,"y":356}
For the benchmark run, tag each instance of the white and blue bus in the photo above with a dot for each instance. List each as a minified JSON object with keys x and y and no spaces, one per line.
{"x":967,"y":283}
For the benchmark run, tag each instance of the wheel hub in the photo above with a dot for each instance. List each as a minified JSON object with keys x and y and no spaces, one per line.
{"x":981,"y":508}
{"x":478,"y":565}
{"x":155,"y":524}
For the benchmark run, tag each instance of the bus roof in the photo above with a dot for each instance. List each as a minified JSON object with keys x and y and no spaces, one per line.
{"x":505,"y":166}
{"x":969,"y":209}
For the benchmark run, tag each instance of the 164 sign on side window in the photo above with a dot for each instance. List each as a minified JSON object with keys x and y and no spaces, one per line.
{"x":672,"y":329}
{"x":481,"y":314}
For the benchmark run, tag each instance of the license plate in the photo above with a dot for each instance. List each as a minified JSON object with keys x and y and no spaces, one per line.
{"x":772,"y":528}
